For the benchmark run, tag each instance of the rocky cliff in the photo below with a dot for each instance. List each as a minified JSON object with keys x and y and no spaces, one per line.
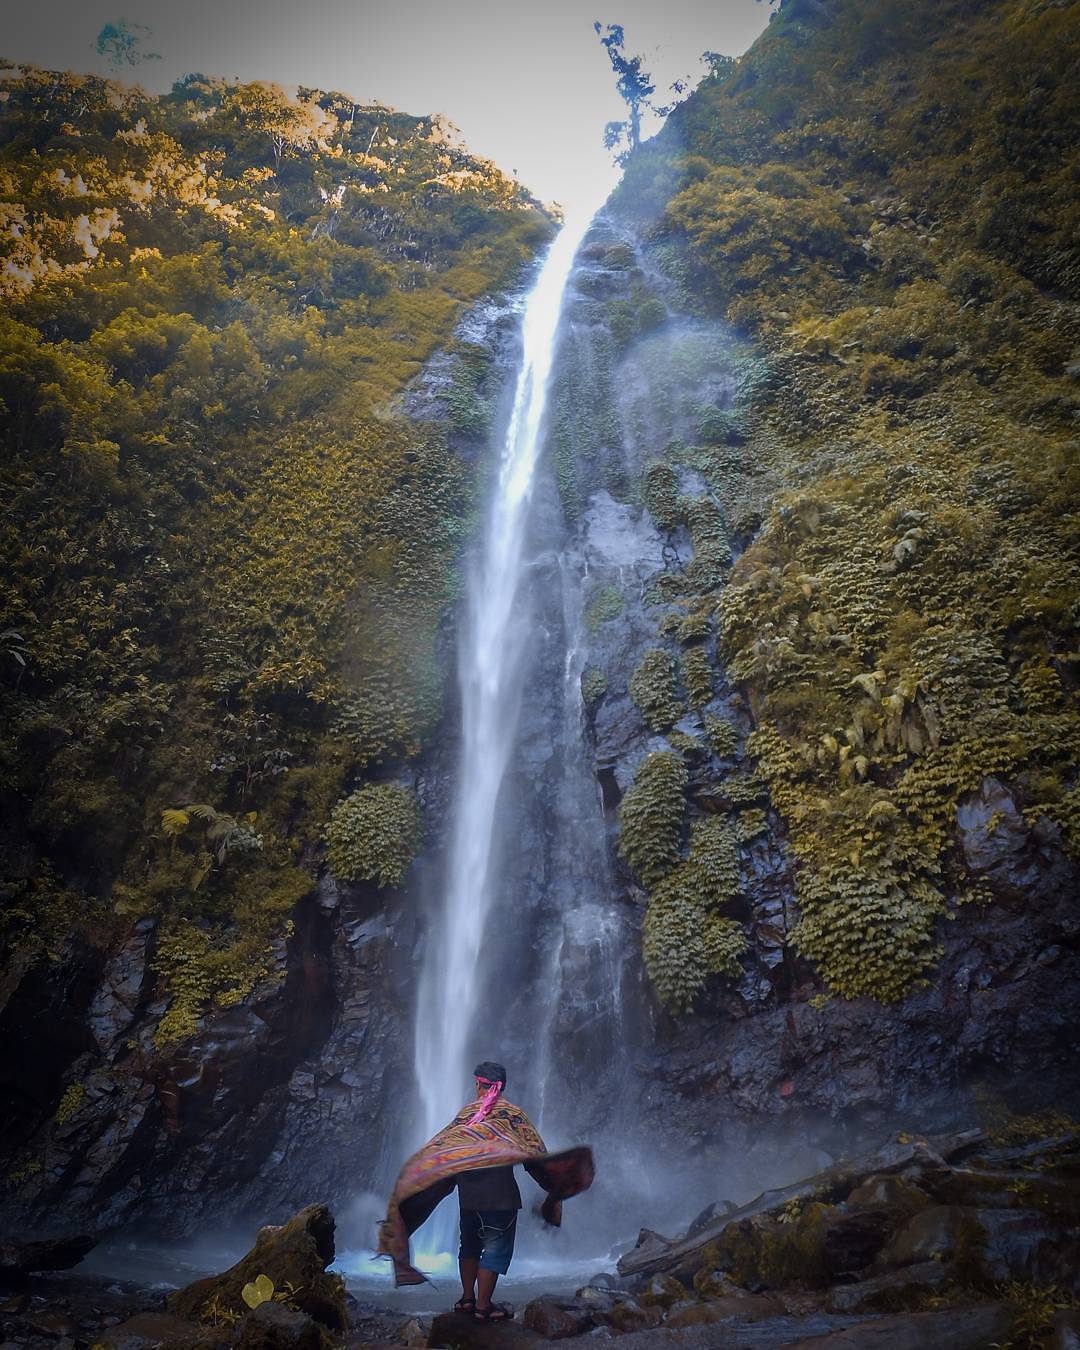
{"x":794,"y":795}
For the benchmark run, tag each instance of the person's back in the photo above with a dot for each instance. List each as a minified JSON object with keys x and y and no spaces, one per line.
{"x":490,"y":1200}
{"x":489,"y":1188}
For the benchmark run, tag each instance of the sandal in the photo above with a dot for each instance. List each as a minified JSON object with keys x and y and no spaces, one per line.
{"x":464,"y":1305}
{"x":495,"y":1312}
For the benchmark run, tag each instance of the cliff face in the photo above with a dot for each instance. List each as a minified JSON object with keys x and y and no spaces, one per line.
{"x":229,"y":552}
{"x":794,"y":795}
{"x":745,"y":1035}
{"x":877,"y":489}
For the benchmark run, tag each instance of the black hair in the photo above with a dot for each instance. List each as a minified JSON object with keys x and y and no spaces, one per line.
{"x":494,"y":1073}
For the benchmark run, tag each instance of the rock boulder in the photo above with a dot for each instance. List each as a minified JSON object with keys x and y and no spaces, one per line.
{"x":294,"y":1256}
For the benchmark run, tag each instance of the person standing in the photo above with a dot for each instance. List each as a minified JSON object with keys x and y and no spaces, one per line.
{"x":476,"y":1153}
{"x":489,"y":1200}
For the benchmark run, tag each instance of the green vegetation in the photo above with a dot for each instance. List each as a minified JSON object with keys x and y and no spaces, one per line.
{"x":723,"y":736}
{"x":885,"y":207}
{"x":684,"y":940}
{"x":372,"y":834}
{"x":651,"y":816}
{"x":605,"y":605}
{"x":226,"y":551}
{"x":593,"y":686}
{"x":697,"y":676}
{"x":661,"y":493}
{"x":654,"y":689}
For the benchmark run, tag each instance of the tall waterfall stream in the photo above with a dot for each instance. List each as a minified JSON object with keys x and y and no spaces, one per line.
{"x":493,"y":648}
{"x":529,"y":951}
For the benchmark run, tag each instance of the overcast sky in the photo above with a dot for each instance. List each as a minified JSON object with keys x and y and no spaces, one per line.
{"x":529,"y":85}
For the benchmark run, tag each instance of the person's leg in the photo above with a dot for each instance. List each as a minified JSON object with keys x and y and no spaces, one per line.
{"x":468,"y":1267}
{"x":468,"y":1259}
{"x":497,"y":1231}
{"x":486,"y":1280}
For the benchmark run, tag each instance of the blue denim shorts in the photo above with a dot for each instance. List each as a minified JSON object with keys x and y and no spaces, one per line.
{"x":487,"y":1236}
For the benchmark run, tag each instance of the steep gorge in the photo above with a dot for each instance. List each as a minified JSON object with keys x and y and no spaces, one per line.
{"x":805,"y":582}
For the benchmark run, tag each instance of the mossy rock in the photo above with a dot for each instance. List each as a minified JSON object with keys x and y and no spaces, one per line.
{"x":897,"y":1192}
{"x":294,"y":1256}
{"x":764,"y":1251}
{"x":662,"y":1291}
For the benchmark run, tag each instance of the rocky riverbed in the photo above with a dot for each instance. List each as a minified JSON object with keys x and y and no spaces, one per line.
{"x":958,"y":1242}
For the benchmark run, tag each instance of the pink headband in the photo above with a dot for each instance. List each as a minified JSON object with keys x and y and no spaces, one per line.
{"x":491,"y":1096}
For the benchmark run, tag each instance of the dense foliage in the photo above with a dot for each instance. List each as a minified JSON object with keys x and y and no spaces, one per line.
{"x":882,"y":198}
{"x":226,"y":550}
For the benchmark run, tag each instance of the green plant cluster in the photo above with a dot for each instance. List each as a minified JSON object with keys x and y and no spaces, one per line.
{"x":651,"y":816}
{"x":593,"y":686}
{"x":655,"y":690}
{"x":884,"y":207}
{"x":697,"y":676}
{"x":685,"y":939}
{"x":722,"y":735}
{"x":606,"y":604}
{"x":373,"y":833}
{"x":226,"y":553}
{"x":661,"y":493}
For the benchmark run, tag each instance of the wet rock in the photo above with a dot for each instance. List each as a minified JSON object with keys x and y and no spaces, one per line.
{"x":853,"y":1240}
{"x":463,"y":1332}
{"x":629,"y":1315}
{"x":662,"y":1291}
{"x":1065,"y":1330}
{"x":991,"y":1245}
{"x":555,"y":1319}
{"x":970,"y":1328}
{"x":991,"y":831}
{"x":748,"y":1308}
{"x":293,"y":1256}
{"x":895,"y":1291}
{"x":116,"y":1001}
{"x":982,"y":1189}
{"x":18,"y":1259}
{"x":149,"y":1330}
{"x":897,"y":1192}
{"x":715,"y":1284}
{"x":413,"y":1333}
{"x":709,"y":1215}
{"x":272,"y":1326}
{"x":654,"y":1253}
{"x":934,"y":1235}
{"x":52,"y":1324}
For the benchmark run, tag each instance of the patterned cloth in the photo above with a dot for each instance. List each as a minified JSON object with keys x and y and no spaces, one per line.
{"x":504,"y":1137}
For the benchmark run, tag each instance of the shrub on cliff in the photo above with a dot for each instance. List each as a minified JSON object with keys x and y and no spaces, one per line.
{"x":227,"y":554}
{"x":372,"y":834}
{"x":654,"y":689}
{"x":904,"y":482}
{"x":651,"y":816}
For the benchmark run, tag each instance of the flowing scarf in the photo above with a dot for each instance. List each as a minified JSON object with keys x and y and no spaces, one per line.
{"x":502,"y":1137}
{"x":488,"y":1100}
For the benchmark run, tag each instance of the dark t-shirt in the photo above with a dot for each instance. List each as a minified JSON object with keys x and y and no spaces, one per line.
{"x":489,"y":1188}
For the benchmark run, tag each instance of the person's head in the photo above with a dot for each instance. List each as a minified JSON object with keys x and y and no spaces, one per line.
{"x":487,"y":1073}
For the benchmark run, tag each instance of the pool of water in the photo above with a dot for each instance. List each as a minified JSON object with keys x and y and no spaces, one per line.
{"x":368,"y":1278}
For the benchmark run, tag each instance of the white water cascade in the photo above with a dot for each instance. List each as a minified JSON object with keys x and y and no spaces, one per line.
{"x":491,"y":661}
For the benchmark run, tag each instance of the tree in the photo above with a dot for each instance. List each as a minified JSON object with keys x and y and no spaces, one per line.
{"x":720,"y":66}
{"x":119,"y":44}
{"x":635,"y":87}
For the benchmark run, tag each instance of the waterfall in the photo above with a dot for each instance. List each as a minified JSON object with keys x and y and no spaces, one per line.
{"x":491,"y":660}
